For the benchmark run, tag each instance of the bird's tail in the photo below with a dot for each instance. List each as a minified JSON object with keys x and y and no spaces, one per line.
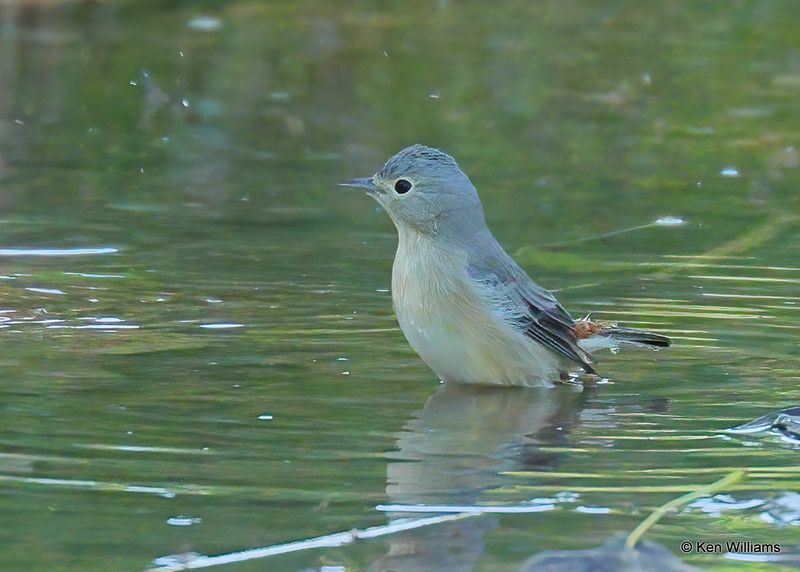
{"x":636,"y":337}
{"x":597,"y":335}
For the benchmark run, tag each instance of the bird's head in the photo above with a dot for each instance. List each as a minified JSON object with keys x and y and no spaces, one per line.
{"x":424,"y":190}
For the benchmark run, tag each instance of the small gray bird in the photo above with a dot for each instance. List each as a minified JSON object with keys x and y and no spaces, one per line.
{"x":469,"y":311}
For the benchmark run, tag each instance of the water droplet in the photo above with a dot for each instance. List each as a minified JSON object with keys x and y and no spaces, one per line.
{"x":183,"y":521}
{"x":669,"y":221}
{"x":729,"y":172}
{"x":205,"y":23}
{"x":221,"y":326}
{"x":593,"y":509}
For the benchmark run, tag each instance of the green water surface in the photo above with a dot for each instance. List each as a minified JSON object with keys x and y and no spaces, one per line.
{"x":221,"y":369}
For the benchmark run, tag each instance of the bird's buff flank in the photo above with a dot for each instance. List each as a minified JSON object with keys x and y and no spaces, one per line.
{"x":470,"y":312}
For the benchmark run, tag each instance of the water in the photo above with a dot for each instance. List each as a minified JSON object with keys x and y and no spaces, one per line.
{"x":198,"y":349}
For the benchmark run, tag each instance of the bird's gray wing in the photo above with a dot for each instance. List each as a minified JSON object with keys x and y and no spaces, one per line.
{"x":527,"y":306}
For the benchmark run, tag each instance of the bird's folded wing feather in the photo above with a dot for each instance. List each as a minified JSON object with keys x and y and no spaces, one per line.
{"x":531,"y":309}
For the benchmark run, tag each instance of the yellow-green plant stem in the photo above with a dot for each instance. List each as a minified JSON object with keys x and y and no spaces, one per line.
{"x":712,"y":488}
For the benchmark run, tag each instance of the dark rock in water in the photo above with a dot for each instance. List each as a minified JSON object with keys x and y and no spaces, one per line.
{"x":785,"y":422}
{"x":611,"y":556}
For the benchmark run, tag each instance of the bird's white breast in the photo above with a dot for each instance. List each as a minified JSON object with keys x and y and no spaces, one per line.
{"x":448,"y":319}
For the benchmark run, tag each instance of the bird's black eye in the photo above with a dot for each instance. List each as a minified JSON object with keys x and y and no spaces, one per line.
{"x":401,"y":186}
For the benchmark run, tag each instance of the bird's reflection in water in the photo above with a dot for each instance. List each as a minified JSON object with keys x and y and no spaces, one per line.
{"x":456,"y":448}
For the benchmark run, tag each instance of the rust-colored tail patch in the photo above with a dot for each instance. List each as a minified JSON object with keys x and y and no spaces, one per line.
{"x":586,"y":328}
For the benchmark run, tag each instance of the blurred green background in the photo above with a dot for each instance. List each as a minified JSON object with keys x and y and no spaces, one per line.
{"x":224,"y":371}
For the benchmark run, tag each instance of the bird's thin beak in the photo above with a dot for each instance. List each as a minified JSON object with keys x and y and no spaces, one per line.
{"x":363,"y":183}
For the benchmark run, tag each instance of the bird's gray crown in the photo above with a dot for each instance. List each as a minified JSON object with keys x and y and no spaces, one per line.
{"x":415,"y":158}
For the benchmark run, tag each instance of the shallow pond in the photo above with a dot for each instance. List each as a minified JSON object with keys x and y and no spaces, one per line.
{"x":198,"y":348}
